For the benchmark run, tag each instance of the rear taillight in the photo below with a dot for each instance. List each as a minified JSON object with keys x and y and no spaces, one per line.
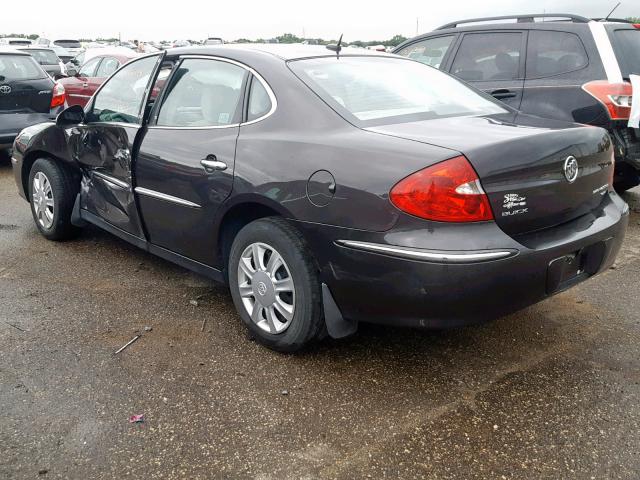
{"x":59,"y":95}
{"x":616,"y":97}
{"x":637,"y":25}
{"x":448,"y":191}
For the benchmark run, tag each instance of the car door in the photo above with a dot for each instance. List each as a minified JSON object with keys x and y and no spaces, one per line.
{"x":77,"y":87}
{"x":184,"y":169}
{"x":493,"y":61}
{"x":557,"y":67}
{"x":104,"y":146}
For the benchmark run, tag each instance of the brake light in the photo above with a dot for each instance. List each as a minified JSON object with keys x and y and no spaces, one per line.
{"x":59,"y":95}
{"x":448,"y":191}
{"x":616,"y":97}
{"x":637,"y":25}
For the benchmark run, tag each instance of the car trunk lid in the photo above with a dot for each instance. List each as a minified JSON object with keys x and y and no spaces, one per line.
{"x":24,"y":86}
{"x":526,"y":168}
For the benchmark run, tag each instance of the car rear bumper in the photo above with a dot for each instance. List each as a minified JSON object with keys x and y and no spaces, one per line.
{"x":449,"y":288}
{"x":11,"y":124}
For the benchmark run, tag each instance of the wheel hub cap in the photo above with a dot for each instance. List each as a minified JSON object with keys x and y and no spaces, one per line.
{"x":266,"y":288}
{"x":42,"y":199}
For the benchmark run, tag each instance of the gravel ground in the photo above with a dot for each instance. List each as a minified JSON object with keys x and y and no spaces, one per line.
{"x":550,"y":392}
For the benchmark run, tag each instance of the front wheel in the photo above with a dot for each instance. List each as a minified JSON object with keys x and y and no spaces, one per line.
{"x":52,"y":193}
{"x":274,"y":284}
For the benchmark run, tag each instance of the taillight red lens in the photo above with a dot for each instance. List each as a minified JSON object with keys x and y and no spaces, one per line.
{"x":616,"y":97}
{"x":448,"y":191}
{"x":637,"y":25}
{"x":59,"y":95}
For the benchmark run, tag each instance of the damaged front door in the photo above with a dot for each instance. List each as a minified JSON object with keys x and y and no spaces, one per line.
{"x":105,"y":145}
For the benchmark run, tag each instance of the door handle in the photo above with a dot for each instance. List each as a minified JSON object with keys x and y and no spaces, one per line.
{"x":211,"y":164}
{"x":503,"y":93}
{"x":85,"y":85}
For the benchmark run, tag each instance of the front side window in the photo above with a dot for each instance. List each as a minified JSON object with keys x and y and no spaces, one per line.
{"x":553,"y":53}
{"x":121,"y":97}
{"x":203,"y":93}
{"x":259,"y":101}
{"x":377,"y":90}
{"x":430,"y":52}
{"x":89,"y":68}
{"x":107,"y":67}
{"x":19,"y":67}
{"x":488,"y":56}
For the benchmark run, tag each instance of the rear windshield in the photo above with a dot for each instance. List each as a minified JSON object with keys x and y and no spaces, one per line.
{"x":627,"y":47}
{"x":44,"y":57}
{"x":19,"y":67}
{"x":378,"y":90}
{"x":19,"y":42}
{"x":68,"y":43}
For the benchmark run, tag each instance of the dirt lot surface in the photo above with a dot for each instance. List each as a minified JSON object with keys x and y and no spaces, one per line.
{"x":551,"y":392}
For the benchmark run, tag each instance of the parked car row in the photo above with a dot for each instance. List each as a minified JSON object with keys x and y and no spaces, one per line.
{"x":575,"y":70}
{"x":332,"y":186}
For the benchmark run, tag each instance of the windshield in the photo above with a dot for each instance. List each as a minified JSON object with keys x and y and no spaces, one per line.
{"x":19,"y":42}
{"x":19,"y":67}
{"x":44,"y":57}
{"x":68,"y":43}
{"x":627,"y":46}
{"x":378,"y":90}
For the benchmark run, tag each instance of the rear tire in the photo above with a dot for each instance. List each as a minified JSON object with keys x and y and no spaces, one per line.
{"x":52,"y":193}
{"x":275,"y":286}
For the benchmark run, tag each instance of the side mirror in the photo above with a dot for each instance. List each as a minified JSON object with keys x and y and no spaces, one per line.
{"x":71,"y":69}
{"x":70,"y":116}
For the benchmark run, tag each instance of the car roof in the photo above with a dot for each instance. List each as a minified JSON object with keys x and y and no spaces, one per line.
{"x":12,"y":50}
{"x":291,"y":51}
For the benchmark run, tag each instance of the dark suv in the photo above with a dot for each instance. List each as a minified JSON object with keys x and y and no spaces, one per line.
{"x":555,"y":66}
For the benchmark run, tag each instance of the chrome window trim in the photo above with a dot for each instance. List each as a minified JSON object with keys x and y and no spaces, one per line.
{"x":109,"y":179}
{"x":441,"y":256}
{"x":166,"y":197}
{"x":267,"y":87}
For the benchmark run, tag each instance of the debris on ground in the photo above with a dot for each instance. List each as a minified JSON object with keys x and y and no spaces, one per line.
{"x":43,"y":471}
{"x":193,"y":302}
{"x":204,"y":322}
{"x":148,"y":329}
{"x":284,"y":392}
{"x":16,"y":327}
{"x":136,"y":418}
{"x":127,"y":344}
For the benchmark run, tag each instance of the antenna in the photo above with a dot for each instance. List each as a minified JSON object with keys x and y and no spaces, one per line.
{"x":611,"y":12}
{"x":336,"y":48}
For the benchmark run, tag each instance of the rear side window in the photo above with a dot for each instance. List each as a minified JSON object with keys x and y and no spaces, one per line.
{"x":259,"y":101}
{"x":488,"y":56}
{"x":203,"y":93}
{"x":553,"y":53}
{"x":19,"y":68}
{"x":430,"y":52}
{"x":627,"y":48}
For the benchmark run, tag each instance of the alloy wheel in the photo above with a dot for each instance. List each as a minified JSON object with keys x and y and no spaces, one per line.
{"x":43,"y":200}
{"x":266,"y":288}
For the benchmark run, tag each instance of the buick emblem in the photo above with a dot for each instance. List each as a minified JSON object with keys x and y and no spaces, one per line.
{"x":571,"y":169}
{"x":262,"y":288}
{"x":5,"y":89}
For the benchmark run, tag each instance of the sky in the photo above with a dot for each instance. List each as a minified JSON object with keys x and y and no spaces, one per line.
{"x":197,"y":19}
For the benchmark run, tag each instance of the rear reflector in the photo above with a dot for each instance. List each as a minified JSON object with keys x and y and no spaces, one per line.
{"x":59,"y":95}
{"x":616,"y":97}
{"x":448,"y":191}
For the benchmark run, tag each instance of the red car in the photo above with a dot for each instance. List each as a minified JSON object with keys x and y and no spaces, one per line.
{"x":81,"y":85}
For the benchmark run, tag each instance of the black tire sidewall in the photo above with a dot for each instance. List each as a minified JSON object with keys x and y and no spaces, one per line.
{"x":63,"y":200}
{"x":307,"y":312}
